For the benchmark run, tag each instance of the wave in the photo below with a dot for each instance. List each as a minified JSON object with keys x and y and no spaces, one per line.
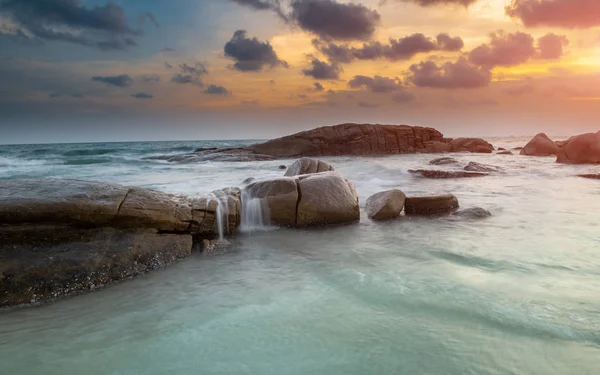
{"x":19,"y":162}
{"x":92,"y":152}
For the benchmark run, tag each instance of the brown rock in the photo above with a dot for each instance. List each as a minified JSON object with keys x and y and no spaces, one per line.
{"x":433,"y":205}
{"x":501,"y":149}
{"x":385,"y":205}
{"x":326,"y":198}
{"x":443,"y":161}
{"x":540,"y":145}
{"x":475,"y":145}
{"x":506,"y":152}
{"x":307,"y":166}
{"x":281,"y":196}
{"x":581,"y":149}
{"x":590,"y":176}
{"x":446,"y":174}
{"x":204,"y":149}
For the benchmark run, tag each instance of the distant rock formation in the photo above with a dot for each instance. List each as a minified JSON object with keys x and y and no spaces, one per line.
{"x":581,"y":149}
{"x":540,"y":145}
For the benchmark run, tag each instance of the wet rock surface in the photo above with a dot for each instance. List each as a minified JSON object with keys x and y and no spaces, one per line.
{"x":478,"y":167}
{"x":472,"y":213}
{"x":431,"y":205}
{"x":308,"y":166}
{"x":443,"y":161}
{"x":540,"y":145}
{"x":435,"y":174}
{"x":385,"y":205}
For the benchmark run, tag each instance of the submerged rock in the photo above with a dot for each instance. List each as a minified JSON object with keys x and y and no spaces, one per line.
{"x":283,"y":167}
{"x":385,"y":205}
{"x":506,"y":152}
{"x":248,"y":180}
{"x":473,"y":213}
{"x":540,"y":145}
{"x":590,"y":176}
{"x":478,"y":167}
{"x":204,"y":149}
{"x":501,"y":149}
{"x":307,"y":166}
{"x":443,"y":161}
{"x":474,"y":145}
{"x":440,"y":204}
{"x":446,"y":174}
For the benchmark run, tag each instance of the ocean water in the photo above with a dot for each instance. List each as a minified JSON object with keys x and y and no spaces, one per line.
{"x":517,"y":293}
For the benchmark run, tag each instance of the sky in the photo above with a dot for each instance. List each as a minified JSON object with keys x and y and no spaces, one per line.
{"x":123,"y":70}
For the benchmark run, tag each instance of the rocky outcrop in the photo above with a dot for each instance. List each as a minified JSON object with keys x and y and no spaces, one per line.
{"x":434,"y":205}
{"x":308,"y":166}
{"x":590,"y":176}
{"x":474,"y":145}
{"x":306,"y":200}
{"x":473,"y":213}
{"x":505,"y":152}
{"x":540,"y":145}
{"x":478,"y":167}
{"x":443,"y":161}
{"x":59,"y":237}
{"x":385,"y":205}
{"x":434,"y":174}
{"x":581,"y":149}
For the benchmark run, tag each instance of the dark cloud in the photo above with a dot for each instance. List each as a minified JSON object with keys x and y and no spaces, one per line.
{"x":375,"y":84}
{"x":198,"y":69}
{"x":274,"y":5}
{"x":368,"y":105}
{"x":322,"y":70}
{"x":318,"y":86}
{"x":450,"y":75}
{"x":330,"y":19}
{"x":104,"y":27}
{"x":142,"y":95}
{"x":148,"y":16}
{"x":151,"y":78}
{"x":570,"y":14}
{"x":167,"y":50}
{"x":515,"y":49}
{"x":403,"y":97}
{"x":187,"y":79}
{"x":168,"y":66}
{"x":55,"y":95}
{"x":504,"y":50}
{"x":216,"y":90}
{"x":122,"y":80}
{"x":250,"y":54}
{"x":398,"y":49}
{"x":551,"y":46}
{"x":190,"y":74}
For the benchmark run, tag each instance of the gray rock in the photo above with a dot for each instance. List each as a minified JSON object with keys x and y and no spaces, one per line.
{"x":441,"y":204}
{"x":443,"y":161}
{"x":385,"y":205}
{"x":434,"y":174}
{"x":307,"y":166}
{"x":478,"y":167}
{"x":473,"y":213}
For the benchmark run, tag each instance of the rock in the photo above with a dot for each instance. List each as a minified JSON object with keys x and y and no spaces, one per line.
{"x":590,"y":176}
{"x":540,"y":145}
{"x":440,"y":204}
{"x":326,"y":198}
{"x":227,"y":155}
{"x":504,"y":153}
{"x":478,"y":167}
{"x":438,"y":147}
{"x":518,"y":148}
{"x":474,"y":145}
{"x":581,"y":149}
{"x":385,"y":205}
{"x":248,"y":180}
{"x":473,"y":213}
{"x":281,"y":195}
{"x":54,"y":261}
{"x":209,"y":246}
{"x":283,"y":167}
{"x":307,"y":166}
{"x":443,"y":161}
{"x":204,"y":149}
{"x":501,"y":149}
{"x":446,"y":174}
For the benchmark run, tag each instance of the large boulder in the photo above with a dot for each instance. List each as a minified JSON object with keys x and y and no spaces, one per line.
{"x":581,"y":149}
{"x":478,"y":167}
{"x":443,"y":161}
{"x":59,"y":237}
{"x":326,"y":198}
{"x":307,"y":166}
{"x":280,"y":196}
{"x":441,"y":204}
{"x":540,"y":145}
{"x":474,"y":145}
{"x":385,"y":205}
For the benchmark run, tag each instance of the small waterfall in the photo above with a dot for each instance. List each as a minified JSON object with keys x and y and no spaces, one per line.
{"x":222,"y":212}
{"x":255,"y":212}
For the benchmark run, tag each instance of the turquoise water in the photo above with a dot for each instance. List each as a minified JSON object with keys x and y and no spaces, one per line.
{"x":513,"y":294}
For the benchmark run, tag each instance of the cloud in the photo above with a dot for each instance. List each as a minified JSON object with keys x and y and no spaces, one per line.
{"x":167,"y":50}
{"x":168,"y":66}
{"x":55,"y":95}
{"x":332,"y":20}
{"x":504,"y":50}
{"x":198,"y":69}
{"x":187,"y":79}
{"x":398,"y":49}
{"x":375,"y":84}
{"x":250,"y":54}
{"x":368,"y":105}
{"x":403,"y":97}
{"x":101,"y":26}
{"x":322,"y":70}
{"x":274,"y":5}
{"x":142,"y":95}
{"x":150,"y":78}
{"x":551,"y":46}
{"x":318,"y":86}
{"x":216,"y":90}
{"x":122,"y":80}
{"x":450,"y":75}
{"x":427,"y":3}
{"x":517,"y":48}
{"x":190,"y":74}
{"x":570,"y":14}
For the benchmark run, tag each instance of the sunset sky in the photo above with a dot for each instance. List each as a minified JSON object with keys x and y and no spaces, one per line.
{"x":87,"y":70}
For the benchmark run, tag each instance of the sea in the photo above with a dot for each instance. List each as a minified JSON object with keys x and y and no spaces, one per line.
{"x":517,"y":293}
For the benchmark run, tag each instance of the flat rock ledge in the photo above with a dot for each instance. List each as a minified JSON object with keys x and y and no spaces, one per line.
{"x":62,"y":237}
